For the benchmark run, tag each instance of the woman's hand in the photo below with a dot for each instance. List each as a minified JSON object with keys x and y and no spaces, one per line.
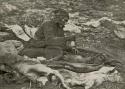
{"x":75,"y":50}
{"x":71,"y":38}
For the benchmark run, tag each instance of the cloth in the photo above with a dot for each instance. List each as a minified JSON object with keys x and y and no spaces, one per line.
{"x":32,"y":43}
{"x":48,"y":53}
{"x":18,"y":31}
{"x":33,"y":52}
{"x":53,"y":52}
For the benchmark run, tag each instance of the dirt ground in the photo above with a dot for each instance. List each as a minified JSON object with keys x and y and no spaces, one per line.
{"x":100,"y":38}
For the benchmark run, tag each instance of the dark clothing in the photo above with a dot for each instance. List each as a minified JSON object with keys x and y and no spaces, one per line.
{"x":52,"y":34}
{"x":50,"y":41}
{"x":32,"y":43}
{"x":49,"y":29}
{"x":33,"y":52}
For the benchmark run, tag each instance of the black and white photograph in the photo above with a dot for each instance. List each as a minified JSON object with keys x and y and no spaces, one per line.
{"x":62,"y":44}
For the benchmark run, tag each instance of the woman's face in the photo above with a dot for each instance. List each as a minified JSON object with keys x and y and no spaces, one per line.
{"x":60,"y":19}
{"x":63,"y":21}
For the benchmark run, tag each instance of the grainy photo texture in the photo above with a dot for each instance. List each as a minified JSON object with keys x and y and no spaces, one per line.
{"x":62,"y":44}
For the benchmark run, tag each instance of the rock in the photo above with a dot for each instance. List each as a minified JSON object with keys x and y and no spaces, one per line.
{"x":115,"y":26}
{"x":109,"y":25}
{"x":76,"y":14}
{"x":9,"y":7}
{"x":17,"y":44}
{"x":119,"y":15}
{"x":7,"y":47}
{"x":9,"y":51}
{"x":120,"y":32}
{"x":35,"y":17}
{"x":93,"y":23}
{"x":71,"y":27}
{"x":96,"y":22}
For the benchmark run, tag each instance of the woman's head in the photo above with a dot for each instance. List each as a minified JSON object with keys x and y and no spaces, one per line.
{"x":59,"y":16}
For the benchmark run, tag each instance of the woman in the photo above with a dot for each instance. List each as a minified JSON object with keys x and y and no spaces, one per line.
{"x":49,"y":41}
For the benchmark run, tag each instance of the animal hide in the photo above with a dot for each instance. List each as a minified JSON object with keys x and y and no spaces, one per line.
{"x":76,"y":67}
{"x":38,"y":72}
{"x":89,"y":79}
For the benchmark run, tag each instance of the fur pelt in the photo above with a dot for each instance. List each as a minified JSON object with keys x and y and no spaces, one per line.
{"x":38,"y":72}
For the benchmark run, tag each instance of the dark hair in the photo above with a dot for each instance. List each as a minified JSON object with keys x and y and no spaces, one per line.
{"x":59,"y":14}
{"x":50,"y":77}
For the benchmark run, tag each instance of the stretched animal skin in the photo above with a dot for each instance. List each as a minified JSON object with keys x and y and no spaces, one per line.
{"x":76,"y":67}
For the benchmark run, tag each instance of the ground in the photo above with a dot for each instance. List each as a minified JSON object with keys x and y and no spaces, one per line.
{"x":101,"y":38}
